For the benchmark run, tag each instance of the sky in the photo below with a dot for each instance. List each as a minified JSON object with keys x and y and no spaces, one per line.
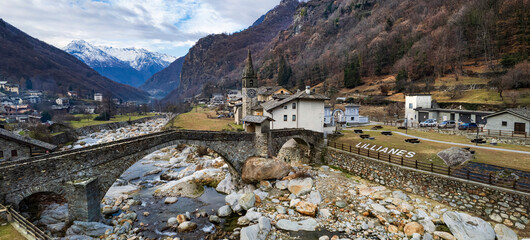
{"x":167,"y":26}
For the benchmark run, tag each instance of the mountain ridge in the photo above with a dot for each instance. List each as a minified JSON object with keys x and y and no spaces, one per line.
{"x":130,"y":66}
{"x":28,"y":61}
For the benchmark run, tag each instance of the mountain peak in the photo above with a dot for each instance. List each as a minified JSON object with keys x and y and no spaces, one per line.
{"x":125,"y":65}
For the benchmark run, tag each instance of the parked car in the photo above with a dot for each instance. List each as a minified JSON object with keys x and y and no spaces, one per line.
{"x":468,"y":126}
{"x":447,"y":124}
{"x":429,"y":123}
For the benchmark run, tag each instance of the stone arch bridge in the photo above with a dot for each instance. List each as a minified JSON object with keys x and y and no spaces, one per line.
{"x":83,"y":176}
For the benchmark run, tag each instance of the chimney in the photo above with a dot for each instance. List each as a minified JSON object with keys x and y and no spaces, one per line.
{"x":307,"y":90}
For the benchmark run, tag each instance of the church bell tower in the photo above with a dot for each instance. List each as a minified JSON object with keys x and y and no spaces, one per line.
{"x":250,"y":87}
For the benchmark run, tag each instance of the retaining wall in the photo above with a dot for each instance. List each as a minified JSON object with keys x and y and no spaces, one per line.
{"x":490,"y":202}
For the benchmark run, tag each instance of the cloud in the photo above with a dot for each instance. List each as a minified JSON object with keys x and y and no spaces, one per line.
{"x":170,"y":26}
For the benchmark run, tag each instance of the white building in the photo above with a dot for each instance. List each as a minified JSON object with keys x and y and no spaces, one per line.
{"x":516,"y":120}
{"x":98,"y":97}
{"x":300,"y":110}
{"x":416,"y":101}
{"x":62,"y":101}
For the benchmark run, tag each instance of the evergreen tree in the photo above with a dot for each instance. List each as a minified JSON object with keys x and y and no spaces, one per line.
{"x":352,"y":73}
{"x":284,"y":72}
{"x":401,"y":80}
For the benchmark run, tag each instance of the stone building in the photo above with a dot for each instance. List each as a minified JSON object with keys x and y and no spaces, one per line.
{"x":14,"y":146}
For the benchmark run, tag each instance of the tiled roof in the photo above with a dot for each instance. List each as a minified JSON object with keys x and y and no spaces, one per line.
{"x":255,"y":119}
{"x":269,"y":105}
{"x":18,"y":138}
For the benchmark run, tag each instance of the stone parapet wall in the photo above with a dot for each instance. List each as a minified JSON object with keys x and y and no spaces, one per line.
{"x":490,"y":202}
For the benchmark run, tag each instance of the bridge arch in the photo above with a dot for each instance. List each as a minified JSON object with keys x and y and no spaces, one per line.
{"x":224,"y":151}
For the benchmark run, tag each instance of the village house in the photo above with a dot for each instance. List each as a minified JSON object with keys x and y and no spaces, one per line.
{"x":98,"y":97}
{"x":62,"y":101}
{"x":516,"y":120}
{"x":14,"y":146}
{"x":72,"y":94}
{"x":14,"y":88}
{"x":303,"y":109}
{"x":350,"y":116}
{"x":267,"y":93}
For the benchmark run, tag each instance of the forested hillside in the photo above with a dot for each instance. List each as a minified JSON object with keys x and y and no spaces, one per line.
{"x":34,"y":64}
{"x":343,"y":44}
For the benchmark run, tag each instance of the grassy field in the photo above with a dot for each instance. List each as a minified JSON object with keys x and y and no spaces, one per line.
{"x":9,"y":233}
{"x":118,"y":118}
{"x":203,"y":119}
{"x":426,"y":151}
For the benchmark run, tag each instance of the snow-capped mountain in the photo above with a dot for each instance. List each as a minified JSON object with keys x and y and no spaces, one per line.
{"x":130,"y":66}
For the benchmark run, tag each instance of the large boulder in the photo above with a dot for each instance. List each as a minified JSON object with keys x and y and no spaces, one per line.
{"x":304,"y":225}
{"x":455,"y":156}
{"x":504,"y":233}
{"x":306,"y":208}
{"x":299,"y":186}
{"x":413,"y":227}
{"x":463,"y":226}
{"x":247,"y":200}
{"x":257,"y":169}
{"x":226,"y":185}
{"x":258,"y":231}
{"x":190,"y":189}
{"x":92,"y":229}
{"x":187,"y":226}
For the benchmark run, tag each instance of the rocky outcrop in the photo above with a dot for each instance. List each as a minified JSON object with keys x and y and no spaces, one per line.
{"x":464,"y":226}
{"x":455,"y":156}
{"x":258,"y":169}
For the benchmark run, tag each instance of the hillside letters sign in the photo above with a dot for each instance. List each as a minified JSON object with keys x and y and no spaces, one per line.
{"x":393,"y":151}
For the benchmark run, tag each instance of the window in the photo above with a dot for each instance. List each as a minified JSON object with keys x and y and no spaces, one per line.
{"x":251,"y":83}
{"x":294,"y":105}
{"x":352,"y":118}
{"x":284,"y":117}
{"x":504,"y":123}
{"x":294,"y":117}
{"x":410,"y":105}
{"x":285,"y":107}
{"x":14,"y":153}
{"x":1,"y":154}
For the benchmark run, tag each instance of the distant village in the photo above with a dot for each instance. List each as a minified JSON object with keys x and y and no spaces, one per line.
{"x":19,"y":105}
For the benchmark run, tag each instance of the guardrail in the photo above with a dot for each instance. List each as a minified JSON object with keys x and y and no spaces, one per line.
{"x":27,"y":226}
{"x":522,"y":184}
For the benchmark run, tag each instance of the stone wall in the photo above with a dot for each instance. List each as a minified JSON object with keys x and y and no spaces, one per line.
{"x":23,"y":151}
{"x":489,"y":202}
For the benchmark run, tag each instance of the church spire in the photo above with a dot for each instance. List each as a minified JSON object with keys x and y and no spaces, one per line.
{"x":249,"y":68}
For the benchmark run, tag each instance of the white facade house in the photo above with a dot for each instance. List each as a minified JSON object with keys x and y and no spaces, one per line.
{"x":301,"y":110}
{"x":62,"y":101}
{"x":416,"y":101}
{"x":516,"y":120}
{"x":98,"y":97}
